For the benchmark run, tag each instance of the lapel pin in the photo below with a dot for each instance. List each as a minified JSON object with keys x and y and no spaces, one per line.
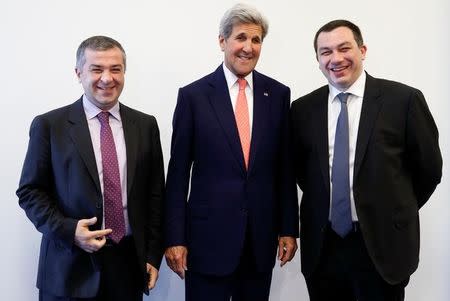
{"x":266,"y":94}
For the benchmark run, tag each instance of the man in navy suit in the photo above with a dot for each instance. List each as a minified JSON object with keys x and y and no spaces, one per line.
{"x":231,"y":198}
{"x":77,"y":169}
{"x":359,"y":214}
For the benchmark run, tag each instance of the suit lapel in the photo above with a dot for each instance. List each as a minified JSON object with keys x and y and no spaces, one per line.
{"x":221,"y":104}
{"x":130,"y":131}
{"x":369,"y":111}
{"x":261,"y":101}
{"x":321,"y":124}
{"x":79,"y":133}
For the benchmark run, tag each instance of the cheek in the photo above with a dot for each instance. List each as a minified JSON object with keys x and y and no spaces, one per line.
{"x":322,"y":67}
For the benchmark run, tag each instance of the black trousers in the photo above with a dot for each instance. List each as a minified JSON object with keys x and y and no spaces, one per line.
{"x":346,"y":273}
{"x":120,"y":276}
{"x":244,"y":284}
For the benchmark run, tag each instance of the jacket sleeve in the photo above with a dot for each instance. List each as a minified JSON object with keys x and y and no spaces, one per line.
{"x":35,"y":190}
{"x":178,"y":174}
{"x":424,"y":156}
{"x":288,"y":189}
{"x":156,"y":183}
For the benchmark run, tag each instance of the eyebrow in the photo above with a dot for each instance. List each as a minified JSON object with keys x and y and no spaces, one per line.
{"x":100,"y":66}
{"x":338,"y":46}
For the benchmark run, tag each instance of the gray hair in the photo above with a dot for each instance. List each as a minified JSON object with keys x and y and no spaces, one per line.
{"x":98,"y":43}
{"x":242,"y":14}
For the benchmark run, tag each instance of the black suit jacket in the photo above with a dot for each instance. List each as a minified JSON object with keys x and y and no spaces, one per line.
{"x":59,"y":185}
{"x":397,"y":167}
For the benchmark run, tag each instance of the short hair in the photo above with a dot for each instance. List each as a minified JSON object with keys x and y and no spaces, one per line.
{"x":330,"y":26}
{"x":98,"y":43}
{"x":242,"y":14}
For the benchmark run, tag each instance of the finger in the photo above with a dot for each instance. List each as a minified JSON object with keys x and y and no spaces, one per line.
{"x":93,"y":244}
{"x":99,"y":233}
{"x":178,"y":264}
{"x":100,"y":242}
{"x":284,"y":256}
{"x":153,"y":276}
{"x":181,"y":274}
{"x":184,"y":263}
{"x":280,"y":250}
{"x":88,"y":222}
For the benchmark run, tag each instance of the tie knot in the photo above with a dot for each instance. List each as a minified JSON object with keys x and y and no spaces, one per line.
{"x":242,"y":83}
{"x":343,"y":97}
{"x":103,"y":117}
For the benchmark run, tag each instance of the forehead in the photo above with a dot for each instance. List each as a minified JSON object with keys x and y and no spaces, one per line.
{"x":247,"y":28}
{"x":337,"y":36}
{"x":112,"y":56}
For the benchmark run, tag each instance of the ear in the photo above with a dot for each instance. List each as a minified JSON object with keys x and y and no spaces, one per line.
{"x":78,"y":73}
{"x":222,"y":42}
{"x":363,"y":50}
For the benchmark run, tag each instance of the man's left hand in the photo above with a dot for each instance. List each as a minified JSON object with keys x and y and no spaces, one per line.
{"x":287,"y":246}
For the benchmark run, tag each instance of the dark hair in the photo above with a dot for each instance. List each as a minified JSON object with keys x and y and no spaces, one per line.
{"x":99,"y":43}
{"x":330,"y":26}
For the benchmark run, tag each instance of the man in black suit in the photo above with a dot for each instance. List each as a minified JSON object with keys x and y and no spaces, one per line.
{"x":92,"y":184}
{"x":366,"y":159}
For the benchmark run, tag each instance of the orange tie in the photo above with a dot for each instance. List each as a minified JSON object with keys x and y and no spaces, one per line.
{"x":243,"y":120}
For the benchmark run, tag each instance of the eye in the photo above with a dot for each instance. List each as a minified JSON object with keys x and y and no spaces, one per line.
{"x":345,"y":49}
{"x":241,"y":37}
{"x":116,"y":70}
{"x":325,"y":52}
{"x":96,"y":70}
{"x":256,"y":40}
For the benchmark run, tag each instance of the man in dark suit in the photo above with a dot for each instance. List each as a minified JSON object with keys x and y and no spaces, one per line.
{"x":92,"y":184}
{"x":230,"y":139}
{"x":366,"y":159}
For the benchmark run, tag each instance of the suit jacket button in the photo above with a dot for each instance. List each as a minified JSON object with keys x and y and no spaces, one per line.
{"x":98,"y":205}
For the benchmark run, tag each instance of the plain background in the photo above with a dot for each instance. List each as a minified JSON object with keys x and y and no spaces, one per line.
{"x":171,"y":43}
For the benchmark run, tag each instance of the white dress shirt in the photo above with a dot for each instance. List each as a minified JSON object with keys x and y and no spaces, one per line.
{"x":115,"y":122}
{"x":354,"y":105}
{"x":233,"y":88}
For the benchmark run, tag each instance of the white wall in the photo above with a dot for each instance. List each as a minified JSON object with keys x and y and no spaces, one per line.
{"x":171,"y":43}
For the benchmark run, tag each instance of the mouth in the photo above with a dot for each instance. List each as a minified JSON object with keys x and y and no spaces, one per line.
{"x":106,"y":89}
{"x":338,"y":69}
{"x":245,"y":57}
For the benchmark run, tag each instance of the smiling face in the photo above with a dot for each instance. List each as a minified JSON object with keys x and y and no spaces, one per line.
{"x":242,"y":48}
{"x":339,"y":56}
{"x":102,"y":76}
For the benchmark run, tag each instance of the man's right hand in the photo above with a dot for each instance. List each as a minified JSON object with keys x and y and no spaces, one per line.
{"x":90,"y":241}
{"x":176,"y":258}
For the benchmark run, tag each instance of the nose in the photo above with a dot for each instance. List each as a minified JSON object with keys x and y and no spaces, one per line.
{"x":247,"y":46}
{"x":106,"y":76}
{"x":336,"y":57}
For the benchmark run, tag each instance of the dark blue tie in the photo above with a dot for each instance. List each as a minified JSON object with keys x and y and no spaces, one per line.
{"x":341,"y":216}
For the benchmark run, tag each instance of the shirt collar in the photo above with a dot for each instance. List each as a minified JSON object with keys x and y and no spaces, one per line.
{"x":356,"y":89}
{"x":92,"y":110}
{"x":231,"y":78}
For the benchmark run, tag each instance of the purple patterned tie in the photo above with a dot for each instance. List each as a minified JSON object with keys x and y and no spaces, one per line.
{"x":112,"y":192}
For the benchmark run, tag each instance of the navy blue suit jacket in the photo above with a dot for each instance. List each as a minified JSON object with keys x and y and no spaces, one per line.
{"x":59,"y":185}
{"x":212,"y":200}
